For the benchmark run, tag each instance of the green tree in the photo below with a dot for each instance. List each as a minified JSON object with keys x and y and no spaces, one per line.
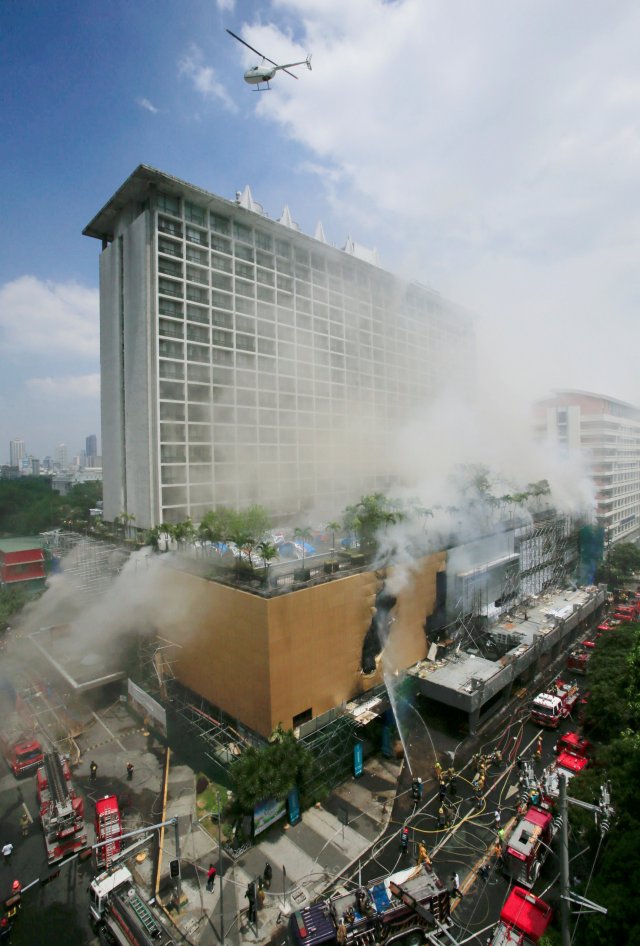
{"x":268,"y":552}
{"x":184,"y":532}
{"x":272,"y":771}
{"x":368,"y":516}
{"x":302,"y":534}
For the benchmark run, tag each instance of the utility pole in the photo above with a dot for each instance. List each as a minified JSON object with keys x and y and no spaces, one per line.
{"x":565,"y":892}
{"x":177,"y":835}
{"x":220,"y":870}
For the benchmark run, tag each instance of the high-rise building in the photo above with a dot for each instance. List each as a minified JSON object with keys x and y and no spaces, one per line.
{"x":607,"y":433}
{"x":61,"y":457}
{"x":243,"y":361}
{"x":91,"y":448}
{"x":16,"y":452}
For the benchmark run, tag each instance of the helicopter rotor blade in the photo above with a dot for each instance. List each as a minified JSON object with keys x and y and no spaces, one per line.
{"x":265,"y":58}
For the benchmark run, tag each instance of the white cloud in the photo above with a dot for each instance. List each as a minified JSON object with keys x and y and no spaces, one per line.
{"x":226,"y":6}
{"x":86,"y":386}
{"x":146,"y":104}
{"x":48,"y":318}
{"x":204,"y":78}
{"x":495,"y":151}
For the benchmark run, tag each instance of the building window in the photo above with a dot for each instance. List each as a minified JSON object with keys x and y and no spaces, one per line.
{"x":169,"y":204}
{"x":241,"y":232}
{"x":220,"y":224}
{"x":194,"y":214}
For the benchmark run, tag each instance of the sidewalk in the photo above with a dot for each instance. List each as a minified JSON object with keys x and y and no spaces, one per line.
{"x":304,"y":858}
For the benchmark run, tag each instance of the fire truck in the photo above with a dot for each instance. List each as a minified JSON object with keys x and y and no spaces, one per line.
{"x":572,"y":752}
{"x":108,"y":827}
{"x":528,"y":845}
{"x":626,"y":613}
{"x":524,"y":918}
{"x":406,"y":903}
{"x":554,"y":704}
{"x":61,"y":809}
{"x":20,"y":748}
{"x":578,"y":659}
{"x":120,"y":915}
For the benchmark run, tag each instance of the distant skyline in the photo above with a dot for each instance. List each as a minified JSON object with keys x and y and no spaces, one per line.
{"x":490,"y":152}
{"x":11,"y":453}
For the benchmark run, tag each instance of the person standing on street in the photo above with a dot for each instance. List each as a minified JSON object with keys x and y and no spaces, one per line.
{"x":211,"y":877}
{"x":455,"y":886}
{"x":25,"y":821}
{"x":93,"y":770}
{"x":7,"y":851}
{"x":129,"y":771}
{"x":267,"y":874}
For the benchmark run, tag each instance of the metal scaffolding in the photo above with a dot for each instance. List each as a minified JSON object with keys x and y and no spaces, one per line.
{"x":223,"y":738}
{"x":544,"y":550}
{"x":89,"y":565}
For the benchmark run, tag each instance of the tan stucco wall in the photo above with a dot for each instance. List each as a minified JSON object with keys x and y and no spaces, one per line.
{"x":264,"y":661}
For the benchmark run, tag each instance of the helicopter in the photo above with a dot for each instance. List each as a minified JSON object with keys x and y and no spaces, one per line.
{"x":263,"y":73}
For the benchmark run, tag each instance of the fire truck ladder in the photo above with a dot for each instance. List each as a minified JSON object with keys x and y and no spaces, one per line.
{"x":55,"y":778}
{"x":143,"y":914}
{"x":110,"y":828}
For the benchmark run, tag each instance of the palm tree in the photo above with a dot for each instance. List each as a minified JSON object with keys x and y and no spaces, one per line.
{"x":333,"y":527}
{"x":268,"y":551}
{"x":303,"y":535}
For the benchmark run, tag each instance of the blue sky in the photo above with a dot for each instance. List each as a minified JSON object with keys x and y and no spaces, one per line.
{"x":490,"y":151}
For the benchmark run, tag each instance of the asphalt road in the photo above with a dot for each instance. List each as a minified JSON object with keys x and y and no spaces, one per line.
{"x":54,"y":913}
{"x":470,"y":841}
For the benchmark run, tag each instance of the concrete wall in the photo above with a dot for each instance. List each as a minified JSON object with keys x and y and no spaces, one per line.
{"x":264,"y":661}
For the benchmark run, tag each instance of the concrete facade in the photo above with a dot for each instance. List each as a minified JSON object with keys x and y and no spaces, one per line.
{"x":271,"y":660}
{"x":243,"y":362}
{"x":607,"y":433}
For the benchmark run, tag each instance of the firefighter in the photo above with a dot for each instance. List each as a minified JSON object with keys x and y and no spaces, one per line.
{"x":438,"y":769}
{"x":404,"y":839}
{"x":261,"y":893}
{"x":539,"y":748}
{"x":25,"y":821}
{"x":496,"y":757}
{"x":341,"y":933}
{"x":93,"y":770}
{"x":267,"y":874}
{"x":7,"y":851}
{"x":496,"y":819}
{"x":442,"y":818}
{"x":129,"y":771}
{"x":442,"y":789}
{"x":483,"y":872}
{"x":455,"y":886}
{"x":250,"y":895}
{"x":423,"y":855}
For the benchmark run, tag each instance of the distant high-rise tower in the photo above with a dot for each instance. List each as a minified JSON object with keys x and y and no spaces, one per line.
{"x":16,"y":452}
{"x":91,"y":447}
{"x":60,"y":457}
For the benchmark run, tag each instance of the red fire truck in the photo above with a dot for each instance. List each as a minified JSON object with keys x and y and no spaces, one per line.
{"x":20,"y":748}
{"x":528,"y":845}
{"x":627,"y":613}
{"x":572,"y":752}
{"x":61,"y":809}
{"x":523,"y":919}
{"x":554,"y":704}
{"x":108,"y":825}
{"x":578,"y":659}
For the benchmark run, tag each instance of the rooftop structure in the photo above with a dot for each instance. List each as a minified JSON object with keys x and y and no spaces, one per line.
{"x":464,"y":679}
{"x":243,"y":361}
